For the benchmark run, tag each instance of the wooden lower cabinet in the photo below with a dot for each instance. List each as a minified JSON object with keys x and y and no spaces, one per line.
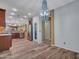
{"x":5,"y":42}
{"x":17,"y":35}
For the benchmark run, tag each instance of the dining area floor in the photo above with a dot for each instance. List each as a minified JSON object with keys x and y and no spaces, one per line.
{"x":25,"y":49}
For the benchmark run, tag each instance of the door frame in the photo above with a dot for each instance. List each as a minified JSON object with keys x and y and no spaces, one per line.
{"x":52,"y":39}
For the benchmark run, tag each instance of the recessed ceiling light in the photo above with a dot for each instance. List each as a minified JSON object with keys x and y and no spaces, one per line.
{"x":14,"y":9}
{"x":29,"y":14}
{"x":12,"y":13}
{"x":25,"y":16}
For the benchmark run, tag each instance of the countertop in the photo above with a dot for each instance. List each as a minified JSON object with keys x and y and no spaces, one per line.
{"x":5,"y":34}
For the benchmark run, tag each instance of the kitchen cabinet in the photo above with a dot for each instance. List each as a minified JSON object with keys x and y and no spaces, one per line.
{"x":2,"y":18}
{"x":5,"y":41}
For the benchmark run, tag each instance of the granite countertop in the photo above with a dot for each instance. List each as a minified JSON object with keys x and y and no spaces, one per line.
{"x":4,"y":34}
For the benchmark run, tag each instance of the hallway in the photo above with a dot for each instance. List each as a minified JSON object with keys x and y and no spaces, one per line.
{"x":39,"y":29}
{"x":24,"y":49}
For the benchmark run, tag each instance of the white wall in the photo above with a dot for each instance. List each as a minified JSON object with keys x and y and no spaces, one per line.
{"x":67,"y":26}
{"x":39,"y":30}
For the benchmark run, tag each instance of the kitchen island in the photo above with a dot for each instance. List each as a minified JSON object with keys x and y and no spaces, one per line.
{"x":5,"y":41}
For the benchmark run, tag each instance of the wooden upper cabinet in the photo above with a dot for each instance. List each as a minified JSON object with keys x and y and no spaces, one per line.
{"x":2,"y":17}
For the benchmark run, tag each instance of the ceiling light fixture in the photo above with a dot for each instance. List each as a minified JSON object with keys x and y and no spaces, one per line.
{"x":29,"y":14}
{"x":12,"y":13}
{"x":14,"y":9}
{"x":44,"y":10}
{"x":25,"y":16}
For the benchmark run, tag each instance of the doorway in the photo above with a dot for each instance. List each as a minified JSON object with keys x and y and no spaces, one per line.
{"x":48,"y":31}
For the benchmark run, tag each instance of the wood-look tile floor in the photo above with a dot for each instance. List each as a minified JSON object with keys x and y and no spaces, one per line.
{"x":24,"y":49}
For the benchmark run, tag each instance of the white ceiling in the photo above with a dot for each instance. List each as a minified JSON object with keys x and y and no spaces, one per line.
{"x":32,"y":6}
